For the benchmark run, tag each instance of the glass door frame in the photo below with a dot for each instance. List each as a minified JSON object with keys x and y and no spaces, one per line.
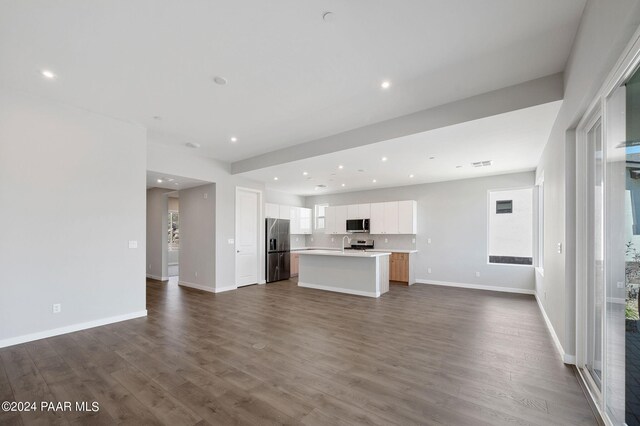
{"x":628,"y":63}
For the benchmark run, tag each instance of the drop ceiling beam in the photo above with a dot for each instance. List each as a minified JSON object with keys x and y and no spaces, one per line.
{"x":531,"y":93}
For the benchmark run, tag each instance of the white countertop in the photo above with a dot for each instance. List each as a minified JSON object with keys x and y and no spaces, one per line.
{"x":349,"y":253}
{"x":301,"y":249}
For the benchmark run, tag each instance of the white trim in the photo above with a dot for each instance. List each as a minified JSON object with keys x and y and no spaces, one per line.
{"x":225,"y":288}
{"x":477,"y":286}
{"x":154,"y":277}
{"x":70,"y":329}
{"x":340,"y":290}
{"x":206,"y":287}
{"x":210,"y":289}
{"x":567,"y":359}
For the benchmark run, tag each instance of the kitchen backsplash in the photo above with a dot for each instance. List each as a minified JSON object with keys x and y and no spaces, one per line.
{"x":399,"y":242}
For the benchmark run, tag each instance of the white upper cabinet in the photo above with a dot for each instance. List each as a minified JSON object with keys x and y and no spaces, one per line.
{"x":391,"y":217}
{"x":359,"y":211}
{"x":407,"y":217}
{"x":364,"y":211}
{"x":272,"y":211}
{"x":300,"y":217}
{"x":335,"y":220}
{"x":376,"y":223}
{"x":294,"y":217}
{"x":285,"y":212}
{"x":341,"y":220}
{"x":352,"y":212}
{"x":394,"y":217}
{"x":329,"y":220}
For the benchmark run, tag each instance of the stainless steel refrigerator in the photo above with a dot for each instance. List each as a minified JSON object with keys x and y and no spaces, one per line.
{"x":277,"y":250}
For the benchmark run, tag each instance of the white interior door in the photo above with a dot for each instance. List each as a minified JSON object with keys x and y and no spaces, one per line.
{"x":247,"y":212}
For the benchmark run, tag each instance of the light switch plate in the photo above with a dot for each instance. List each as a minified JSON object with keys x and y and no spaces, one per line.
{"x":231,"y":241}
{"x":57,"y":308}
{"x":133,"y":244}
{"x":428,"y":240}
{"x":559,"y":248}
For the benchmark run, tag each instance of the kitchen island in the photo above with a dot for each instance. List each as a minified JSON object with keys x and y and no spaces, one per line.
{"x":363,"y":273}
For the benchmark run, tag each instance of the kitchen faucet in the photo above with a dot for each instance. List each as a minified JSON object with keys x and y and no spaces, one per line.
{"x":348,"y":241}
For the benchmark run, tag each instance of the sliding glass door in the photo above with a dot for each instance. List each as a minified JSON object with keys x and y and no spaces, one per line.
{"x":595,"y":253}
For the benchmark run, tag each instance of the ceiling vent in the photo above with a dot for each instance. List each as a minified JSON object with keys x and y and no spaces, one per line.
{"x":481,"y":163}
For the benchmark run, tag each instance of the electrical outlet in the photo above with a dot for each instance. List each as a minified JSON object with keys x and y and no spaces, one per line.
{"x":296,"y":239}
{"x":206,"y":195}
{"x":620,"y":284}
{"x":332,"y":239}
{"x":428,"y":240}
{"x":428,"y":270}
{"x":413,"y":240}
{"x":311,"y":239}
{"x":149,"y":266}
{"x":133,"y":244}
{"x":477,"y":274}
{"x":57,"y":308}
{"x":386,"y":240}
{"x":196,"y":274}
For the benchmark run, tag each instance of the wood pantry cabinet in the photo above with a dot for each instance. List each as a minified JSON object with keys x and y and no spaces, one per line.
{"x":401,"y":268}
{"x":293,"y":264}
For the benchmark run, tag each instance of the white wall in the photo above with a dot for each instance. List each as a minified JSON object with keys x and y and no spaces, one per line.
{"x":605,"y":29}
{"x":454,"y":216}
{"x":197,"y":263}
{"x":511,"y":234}
{"x":64,"y":238}
{"x":182,"y":162}
{"x":157,"y":225}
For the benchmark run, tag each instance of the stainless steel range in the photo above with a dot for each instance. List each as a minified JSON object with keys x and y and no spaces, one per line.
{"x":362,"y":244}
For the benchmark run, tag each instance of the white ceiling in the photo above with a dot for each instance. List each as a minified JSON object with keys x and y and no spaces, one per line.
{"x":513,"y":141}
{"x":171,"y":181}
{"x":291,"y":76}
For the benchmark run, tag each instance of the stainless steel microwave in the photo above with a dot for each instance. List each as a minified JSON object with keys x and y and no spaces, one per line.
{"x":357,"y":225}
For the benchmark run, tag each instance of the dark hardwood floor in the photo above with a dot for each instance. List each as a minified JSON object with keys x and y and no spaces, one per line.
{"x":279,"y":354}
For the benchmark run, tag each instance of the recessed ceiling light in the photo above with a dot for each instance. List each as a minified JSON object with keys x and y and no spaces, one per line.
{"x":219,"y":80}
{"x":234,"y":139}
{"x":193,"y":144}
{"x":48,"y":74}
{"x":170,"y":180}
{"x":305,"y":173}
{"x":157,"y":117}
{"x":275,"y":178}
{"x":374,"y":181}
{"x":432,"y":158}
{"x":176,"y":183}
{"x":458,"y":167}
{"x":384,"y":159}
{"x":328,"y":16}
{"x":321,"y":186}
{"x":361,"y":170}
{"x":411,"y":175}
{"x":385,"y":84}
{"x":159,"y":180}
{"x":341,"y":167}
{"x":343,"y":185}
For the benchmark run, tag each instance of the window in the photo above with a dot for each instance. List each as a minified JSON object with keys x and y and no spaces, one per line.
{"x":174,"y":231}
{"x":511,"y":226}
{"x":319,"y":212}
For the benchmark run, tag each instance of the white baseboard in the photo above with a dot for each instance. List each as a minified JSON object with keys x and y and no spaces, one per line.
{"x":154,"y":277}
{"x":478,"y":286}
{"x":567,"y":359}
{"x":340,"y":290}
{"x":225,"y":288}
{"x":69,"y":329}
{"x":206,"y":287}
{"x":197,"y":286}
